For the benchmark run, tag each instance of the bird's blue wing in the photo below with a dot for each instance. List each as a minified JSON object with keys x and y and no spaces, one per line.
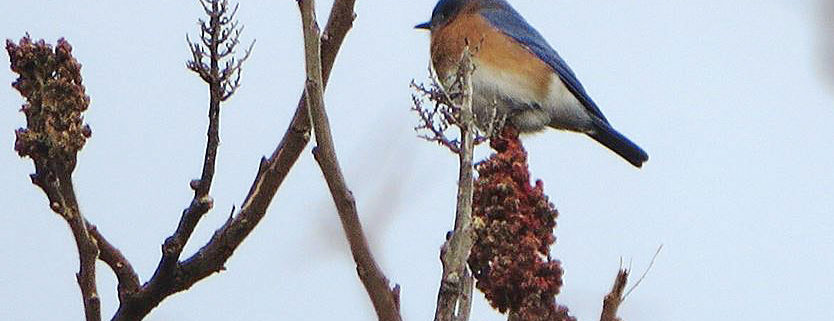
{"x":504,"y":18}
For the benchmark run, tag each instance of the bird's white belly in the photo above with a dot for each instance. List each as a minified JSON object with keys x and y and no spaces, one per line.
{"x":500,"y":93}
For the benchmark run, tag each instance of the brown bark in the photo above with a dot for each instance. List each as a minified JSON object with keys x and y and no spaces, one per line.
{"x":455,"y":284}
{"x":612,"y":301}
{"x":385,"y":300}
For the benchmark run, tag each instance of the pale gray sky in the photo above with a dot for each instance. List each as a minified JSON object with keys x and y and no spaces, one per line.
{"x":726,"y":96}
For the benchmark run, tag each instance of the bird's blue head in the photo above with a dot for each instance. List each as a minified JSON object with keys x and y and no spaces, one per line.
{"x":443,"y":13}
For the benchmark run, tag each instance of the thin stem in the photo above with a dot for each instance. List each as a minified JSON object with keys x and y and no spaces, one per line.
{"x":201,"y":203}
{"x":56,"y":182}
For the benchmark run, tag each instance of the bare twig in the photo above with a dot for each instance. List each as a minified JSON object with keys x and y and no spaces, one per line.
{"x":611,"y":303}
{"x":214,"y":35}
{"x":126,"y":276}
{"x":436,"y":120}
{"x":645,"y":272}
{"x":219,"y":36}
{"x":67,"y":206}
{"x":451,"y":296}
{"x":271,"y":173}
{"x":385,"y":300}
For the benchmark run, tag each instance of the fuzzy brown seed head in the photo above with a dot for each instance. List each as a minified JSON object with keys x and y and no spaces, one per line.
{"x":50,"y":81}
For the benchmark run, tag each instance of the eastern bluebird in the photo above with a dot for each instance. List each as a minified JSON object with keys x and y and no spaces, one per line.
{"x":517,"y":72}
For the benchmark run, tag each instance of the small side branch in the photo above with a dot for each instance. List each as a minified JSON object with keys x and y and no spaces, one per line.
{"x":214,"y":61}
{"x":611,"y":303}
{"x":437,"y":119}
{"x":218,"y":38}
{"x":109,"y":254}
{"x":444,"y":113}
{"x":385,"y":300}
{"x":453,"y":299}
{"x":645,"y":272}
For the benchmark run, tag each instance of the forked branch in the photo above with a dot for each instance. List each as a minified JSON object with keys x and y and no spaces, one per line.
{"x":212,"y":257}
{"x":218,"y":38}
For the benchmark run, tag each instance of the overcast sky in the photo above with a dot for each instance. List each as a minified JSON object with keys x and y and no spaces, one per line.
{"x":727,"y":97}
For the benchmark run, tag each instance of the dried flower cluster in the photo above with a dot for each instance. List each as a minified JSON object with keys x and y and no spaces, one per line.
{"x":513,"y":224}
{"x":50,"y":80}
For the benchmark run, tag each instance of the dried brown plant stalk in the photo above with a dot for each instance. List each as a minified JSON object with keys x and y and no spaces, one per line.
{"x":50,"y":81}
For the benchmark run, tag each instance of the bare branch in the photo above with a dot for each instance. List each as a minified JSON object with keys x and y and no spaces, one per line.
{"x":127,"y":277}
{"x":271,"y":173}
{"x":201,"y":203}
{"x":384,"y":299}
{"x":215,"y":34}
{"x":219,"y":36}
{"x":137,"y":303}
{"x":206,"y":6}
{"x":87,"y":248}
{"x":457,"y":247}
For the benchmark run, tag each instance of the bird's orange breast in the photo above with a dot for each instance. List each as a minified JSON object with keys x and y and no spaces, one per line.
{"x":492,"y":49}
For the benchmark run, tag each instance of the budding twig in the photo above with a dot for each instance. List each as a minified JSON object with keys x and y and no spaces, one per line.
{"x":219,"y":37}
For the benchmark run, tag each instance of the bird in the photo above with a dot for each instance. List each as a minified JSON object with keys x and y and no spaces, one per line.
{"x":517,"y":74}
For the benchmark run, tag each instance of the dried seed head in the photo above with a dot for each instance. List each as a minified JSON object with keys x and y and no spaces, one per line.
{"x":511,"y":254}
{"x":50,"y":81}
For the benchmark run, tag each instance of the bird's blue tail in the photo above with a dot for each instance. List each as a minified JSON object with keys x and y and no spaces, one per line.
{"x":618,"y":143}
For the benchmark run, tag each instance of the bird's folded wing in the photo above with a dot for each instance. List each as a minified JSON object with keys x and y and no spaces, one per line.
{"x":505,"y":19}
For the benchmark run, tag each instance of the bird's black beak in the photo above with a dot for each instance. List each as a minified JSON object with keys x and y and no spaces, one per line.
{"x":424,"y":25}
